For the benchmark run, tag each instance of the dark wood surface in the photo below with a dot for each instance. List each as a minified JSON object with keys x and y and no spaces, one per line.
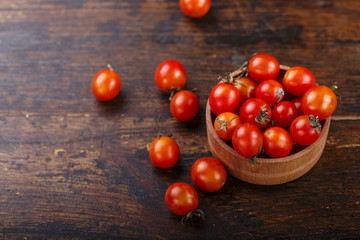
{"x":72,"y":167}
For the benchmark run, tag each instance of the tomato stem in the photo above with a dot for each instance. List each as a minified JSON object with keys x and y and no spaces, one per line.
{"x":196,"y":212}
{"x":263,"y":116}
{"x":315,"y":123}
{"x":110,"y":67}
{"x":223,"y":124}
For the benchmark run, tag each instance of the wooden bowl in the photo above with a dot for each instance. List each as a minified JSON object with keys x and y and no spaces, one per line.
{"x":266,"y":171}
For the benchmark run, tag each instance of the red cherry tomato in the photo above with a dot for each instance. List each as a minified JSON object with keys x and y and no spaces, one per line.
{"x":255,"y":111}
{"x":297,"y":80}
{"x":184,"y":105}
{"x":224,"y":97}
{"x":208,"y":174}
{"x":263,"y":67}
{"x":246,"y":87}
{"x":195,"y":8}
{"x":247,"y":140}
{"x":164,"y":152}
{"x":181,"y":198}
{"x":297,"y":104}
{"x":225,"y":124}
{"x":284,"y":113}
{"x":277,"y":142}
{"x":106,"y":85}
{"x":319,"y":101}
{"x":305,"y":130}
{"x":169,"y":75}
{"x":270,"y":91}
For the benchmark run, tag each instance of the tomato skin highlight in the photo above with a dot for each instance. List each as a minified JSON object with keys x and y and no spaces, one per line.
{"x":106,"y":85}
{"x":181,"y":198}
{"x":247,"y":140}
{"x":170,"y":74}
{"x":184,"y":105}
{"x":303,"y":132}
{"x":319,"y":101}
{"x":284,"y":113}
{"x":252,"y":108}
{"x":277,"y":142}
{"x":224,"y":97}
{"x":271,"y":91}
{"x":164,"y":152}
{"x":297,"y":80}
{"x":263,"y":67}
{"x":195,"y":8}
{"x":208,"y":174}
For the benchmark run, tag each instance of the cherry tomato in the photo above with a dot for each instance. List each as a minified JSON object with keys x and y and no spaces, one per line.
{"x":319,"y":101}
{"x":284,"y":113}
{"x":164,"y":152}
{"x":297,"y":80}
{"x":247,"y":140}
{"x":208,"y":174}
{"x":225,"y":124}
{"x":184,"y":105}
{"x":277,"y":142}
{"x":297,"y":104}
{"x":263,"y":67}
{"x":181,"y":198}
{"x":270,"y":91}
{"x":195,"y":8}
{"x":106,"y":84}
{"x":305,"y":130}
{"x":169,"y":75}
{"x":255,"y":111}
{"x":224,"y":97}
{"x":246,"y":87}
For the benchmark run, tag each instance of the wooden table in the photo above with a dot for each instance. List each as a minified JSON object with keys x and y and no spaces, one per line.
{"x":72,"y":167}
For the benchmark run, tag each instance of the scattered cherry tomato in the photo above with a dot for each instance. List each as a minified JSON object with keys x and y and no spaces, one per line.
{"x":247,"y":140}
{"x":195,"y":8}
{"x":297,"y":80}
{"x":283,"y":114}
{"x":277,"y":142}
{"x":181,"y":198}
{"x":184,"y":105}
{"x":305,"y":129}
{"x":255,"y":111}
{"x":246,"y":87}
{"x":224,"y":97}
{"x":270,"y":91}
{"x":319,"y":101}
{"x":169,"y":75}
{"x":164,"y":152}
{"x":208,"y":174}
{"x":225,"y":124}
{"x":263,"y":67}
{"x":106,"y":84}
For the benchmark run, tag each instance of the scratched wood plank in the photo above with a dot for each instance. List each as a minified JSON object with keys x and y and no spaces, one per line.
{"x":74,"y":168}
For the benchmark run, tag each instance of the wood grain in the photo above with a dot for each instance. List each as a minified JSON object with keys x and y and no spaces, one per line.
{"x":75,"y":168}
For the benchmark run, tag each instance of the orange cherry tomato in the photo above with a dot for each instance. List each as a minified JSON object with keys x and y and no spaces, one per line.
{"x":164,"y":152}
{"x":106,"y":85}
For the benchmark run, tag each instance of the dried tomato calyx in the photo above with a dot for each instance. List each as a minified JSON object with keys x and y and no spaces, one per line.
{"x":223,"y":124}
{"x":263,"y":116}
{"x":190,"y":215}
{"x":315,"y":123}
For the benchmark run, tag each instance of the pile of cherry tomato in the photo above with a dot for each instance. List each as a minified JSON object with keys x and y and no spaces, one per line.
{"x":259,"y":111}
